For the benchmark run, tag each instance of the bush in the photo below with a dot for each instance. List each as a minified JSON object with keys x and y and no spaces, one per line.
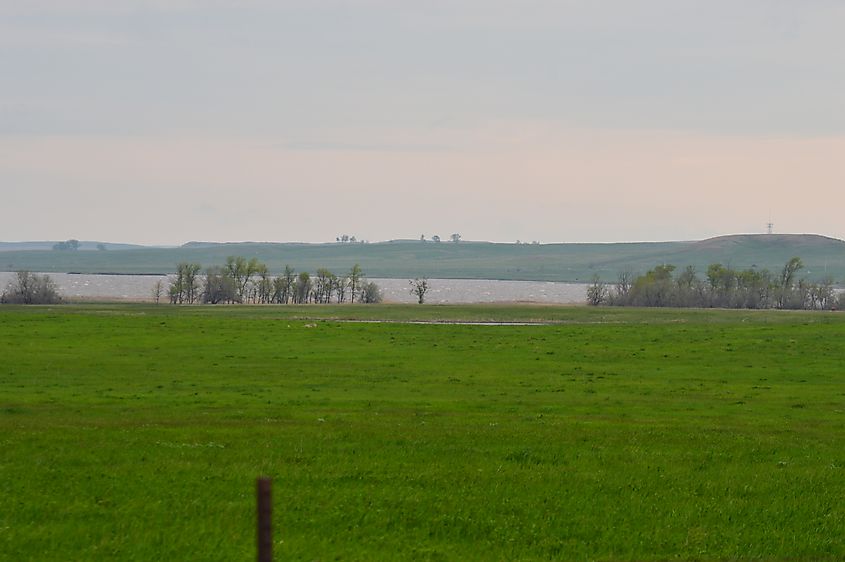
{"x":370,"y":293}
{"x":31,"y":288}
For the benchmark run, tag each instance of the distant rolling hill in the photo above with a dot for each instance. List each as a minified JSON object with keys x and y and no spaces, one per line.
{"x":471,"y":260}
{"x":84,"y":245}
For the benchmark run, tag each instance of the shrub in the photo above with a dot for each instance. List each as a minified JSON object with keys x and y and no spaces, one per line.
{"x":31,"y":288}
{"x":370,"y":293}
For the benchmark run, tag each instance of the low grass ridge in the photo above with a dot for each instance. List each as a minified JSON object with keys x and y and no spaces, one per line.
{"x":470,"y":260}
{"x":136,"y":432}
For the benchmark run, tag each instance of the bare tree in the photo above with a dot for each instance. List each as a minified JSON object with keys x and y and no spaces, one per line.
{"x":285,"y":285}
{"x":826,"y":294}
{"x":192,"y":282}
{"x":786,"y":291}
{"x":158,"y":290}
{"x":355,"y":275}
{"x":185,"y":287}
{"x":340,"y":287}
{"x":623,"y":286}
{"x":264,"y":284}
{"x":31,"y":288}
{"x":419,"y":287}
{"x":324,"y":285}
{"x":596,"y":291}
{"x":455,"y":238}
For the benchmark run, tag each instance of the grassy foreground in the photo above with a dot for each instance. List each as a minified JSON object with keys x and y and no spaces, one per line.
{"x":136,"y":433}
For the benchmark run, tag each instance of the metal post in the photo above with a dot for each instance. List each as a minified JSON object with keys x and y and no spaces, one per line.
{"x":265,"y":516}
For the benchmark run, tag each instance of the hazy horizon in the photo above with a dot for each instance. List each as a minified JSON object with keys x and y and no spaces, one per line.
{"x":444,"y":240}
{"x":152,"y":122}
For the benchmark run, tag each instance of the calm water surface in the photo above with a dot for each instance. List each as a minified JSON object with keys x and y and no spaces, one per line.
{"x":441,"y":291}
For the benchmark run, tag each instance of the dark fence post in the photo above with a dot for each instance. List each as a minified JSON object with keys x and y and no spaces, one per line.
{"x":265,"y":516}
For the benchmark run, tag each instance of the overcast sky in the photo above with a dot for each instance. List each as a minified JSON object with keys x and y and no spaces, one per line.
{"x":165,"y":121}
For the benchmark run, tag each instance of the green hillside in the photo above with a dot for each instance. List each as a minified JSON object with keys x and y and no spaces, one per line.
{"x":479,"y":260}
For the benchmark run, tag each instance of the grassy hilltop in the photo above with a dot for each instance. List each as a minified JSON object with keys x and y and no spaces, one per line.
{"x":136,"y":432}
{"x":479,"y":260}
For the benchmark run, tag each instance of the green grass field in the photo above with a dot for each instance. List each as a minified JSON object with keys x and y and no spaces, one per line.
{"x":136,"y":433}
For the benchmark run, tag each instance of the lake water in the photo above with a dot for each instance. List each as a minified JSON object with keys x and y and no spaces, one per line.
{"x":441,"y":291}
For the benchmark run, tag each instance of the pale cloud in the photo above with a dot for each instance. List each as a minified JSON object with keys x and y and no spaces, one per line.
{"x":39,"y":37}
{"x":164,"y":121}
{"x":261,"y":67}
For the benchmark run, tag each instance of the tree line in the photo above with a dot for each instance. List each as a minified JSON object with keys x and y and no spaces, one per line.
{"x":68,"y":245}
{"x":721,"y":287}
{"x":249,"y":281}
